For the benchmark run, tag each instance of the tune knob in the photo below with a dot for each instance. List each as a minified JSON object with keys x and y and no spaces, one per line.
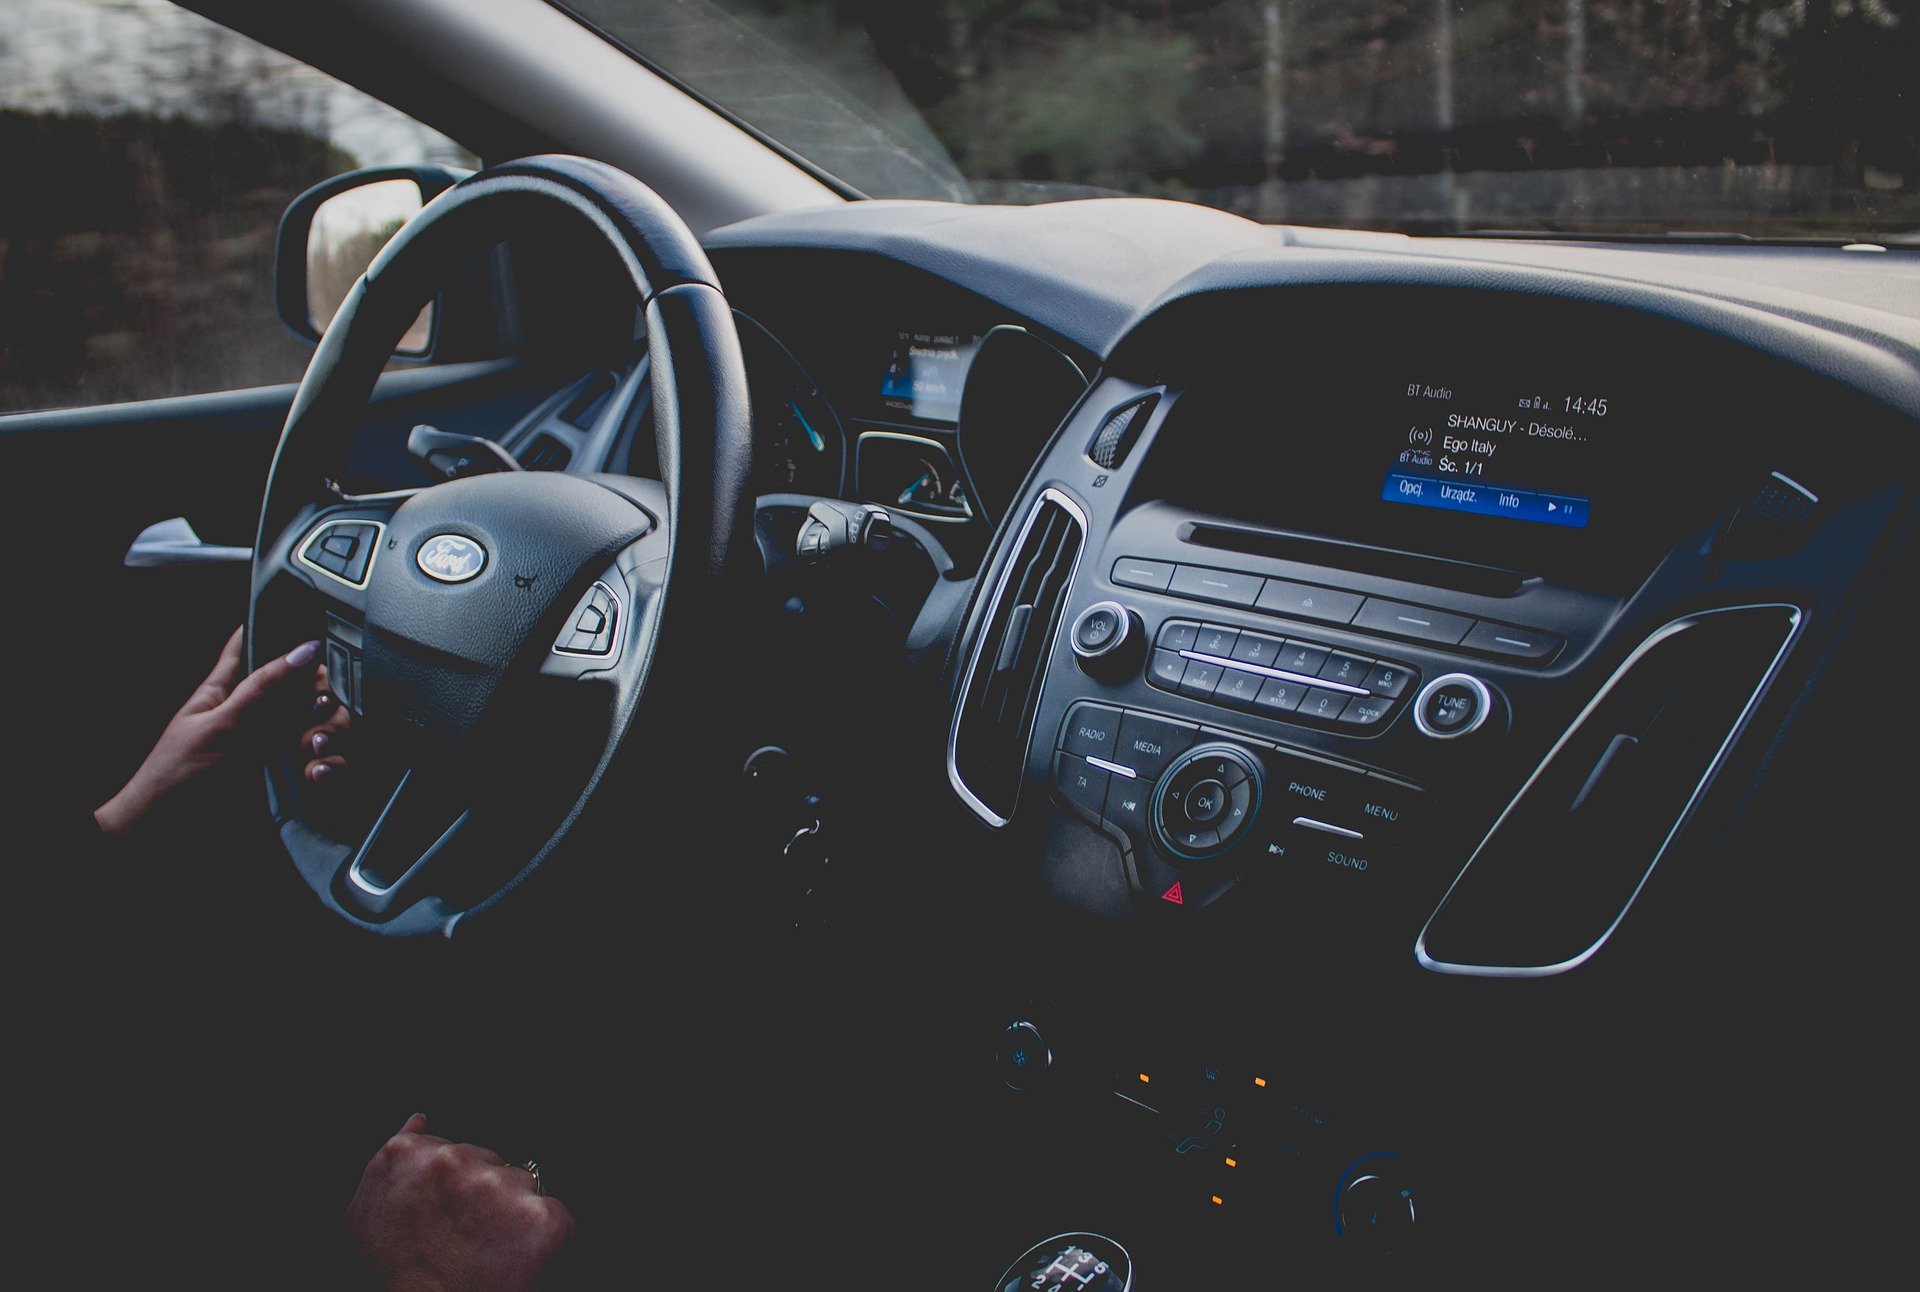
{"x":1106,"y":639}
{"x":1452,"y":705}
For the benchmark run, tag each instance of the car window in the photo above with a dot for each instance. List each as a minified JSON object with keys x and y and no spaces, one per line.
{"x":149,"y":153}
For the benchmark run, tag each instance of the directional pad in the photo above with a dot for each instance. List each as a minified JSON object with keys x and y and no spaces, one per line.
{"x":1205,"y":802}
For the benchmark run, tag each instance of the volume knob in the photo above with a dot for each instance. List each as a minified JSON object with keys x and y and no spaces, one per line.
{"x":1106,"y":639}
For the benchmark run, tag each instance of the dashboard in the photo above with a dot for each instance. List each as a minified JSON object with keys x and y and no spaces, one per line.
{"x":1376,"y":777}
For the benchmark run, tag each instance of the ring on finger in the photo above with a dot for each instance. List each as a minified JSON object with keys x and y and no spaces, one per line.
{"x":532,"y":1168}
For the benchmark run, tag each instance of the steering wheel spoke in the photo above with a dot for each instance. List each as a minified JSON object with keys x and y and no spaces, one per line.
{"x":417,"y":830}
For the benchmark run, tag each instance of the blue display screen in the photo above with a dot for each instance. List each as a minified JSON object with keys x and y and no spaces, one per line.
{"x":1522,"y":455}
{"x":926,"y":374}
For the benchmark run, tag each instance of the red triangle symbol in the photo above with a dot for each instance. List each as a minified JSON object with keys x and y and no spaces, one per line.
{"x":1173,"y":895}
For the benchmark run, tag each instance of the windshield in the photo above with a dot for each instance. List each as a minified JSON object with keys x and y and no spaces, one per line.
{"x":1765,"y":118}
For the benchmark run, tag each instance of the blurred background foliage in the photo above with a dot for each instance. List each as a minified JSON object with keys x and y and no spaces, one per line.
{"x":150,"y":151}
{"x":1766,"y":117}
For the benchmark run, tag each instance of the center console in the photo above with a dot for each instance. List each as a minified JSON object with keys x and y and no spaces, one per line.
{"x":1319,"y":685}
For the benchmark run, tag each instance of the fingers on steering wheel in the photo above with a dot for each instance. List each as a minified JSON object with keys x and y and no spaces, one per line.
{"x":325,"y":744}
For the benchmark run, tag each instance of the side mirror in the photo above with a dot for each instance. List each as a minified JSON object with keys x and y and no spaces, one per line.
{"x":332,"y":232}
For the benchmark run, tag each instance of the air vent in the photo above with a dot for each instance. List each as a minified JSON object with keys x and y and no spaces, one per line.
{"x":545,"y":453}
{"x":988,"y":747}
{"x":1120,"y":430}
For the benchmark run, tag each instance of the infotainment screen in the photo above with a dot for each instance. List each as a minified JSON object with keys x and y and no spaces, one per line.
{"x":1497,"y":450}
{"x":926,"y":374}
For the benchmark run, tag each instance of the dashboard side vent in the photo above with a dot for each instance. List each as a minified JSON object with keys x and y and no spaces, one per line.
{"x":1000,"y":692}
{"x":1118,"y":433}
{"x":545,"y":453}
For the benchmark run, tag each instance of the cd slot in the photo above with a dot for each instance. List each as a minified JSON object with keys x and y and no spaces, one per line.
{"x":1386,"y":563}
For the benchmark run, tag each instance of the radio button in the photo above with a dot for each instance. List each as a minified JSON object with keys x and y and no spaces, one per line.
{"x":1344,"y":668}
{"x":1216,"y":641}
{"x":1132,"y":572}
{"x":1237,"y":689}
{"x":1403,"y":620}
{"x":1148,"y":743}
{"x":1514,"y":643}
{"x":1215,"y":585}
{"x":1177,"y":635}
{"x":1387,"y":679}
{"x":1257,"y":648}
{"x":1279,"y":696}
{"x":1082,"y":784}
{"x":1166,"y":669}
{"x":1366,"y":711}
{"x":1303,"y":658}
{"x":1200,"y":679}
{"x":1304,"y":601}
{"x":1091,"y":731}
{"x":1323,"y":704}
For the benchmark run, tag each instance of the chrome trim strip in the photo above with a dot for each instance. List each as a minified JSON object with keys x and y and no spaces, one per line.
{"x":1680,"y":822}
{"x":1079,"y":517}
{"x":1280,"y":673}
{"x":378,"y":893}
{"x":1115,"y":768}
{"x":1308,"y":823}
{"x":1796,"y":486}
{"x":379,"y":532}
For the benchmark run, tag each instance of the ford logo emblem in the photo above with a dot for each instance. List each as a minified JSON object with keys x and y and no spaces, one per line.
{"x":451,"y":558}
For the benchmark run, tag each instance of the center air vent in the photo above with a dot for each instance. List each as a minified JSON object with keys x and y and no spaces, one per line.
{"x":988,"y":746}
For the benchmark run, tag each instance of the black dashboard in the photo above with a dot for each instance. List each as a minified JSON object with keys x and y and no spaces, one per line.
{"x":1380,"y":754}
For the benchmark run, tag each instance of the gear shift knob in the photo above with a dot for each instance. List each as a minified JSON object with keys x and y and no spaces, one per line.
{"x":1076,"y":1262}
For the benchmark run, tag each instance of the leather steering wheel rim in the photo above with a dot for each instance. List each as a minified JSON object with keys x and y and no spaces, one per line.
{"x":571,"y":534}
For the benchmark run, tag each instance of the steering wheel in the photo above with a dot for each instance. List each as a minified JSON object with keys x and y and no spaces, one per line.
{"x":475,"y":626}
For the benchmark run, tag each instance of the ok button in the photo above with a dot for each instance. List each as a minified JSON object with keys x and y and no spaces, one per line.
{"x":1206,"y":802}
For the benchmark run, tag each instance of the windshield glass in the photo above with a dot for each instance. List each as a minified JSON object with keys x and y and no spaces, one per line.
{"x":1768,"y":118}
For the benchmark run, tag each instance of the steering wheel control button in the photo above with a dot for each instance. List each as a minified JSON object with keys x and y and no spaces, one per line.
{"x":343,"y":549}
{"x":590,"y":631}
{"x":1106,"y":639}
{"x":1386,"y":679}
{"x":1452,"y":705}
{"x":1132,"y":572}
{"x":1223,"y":586}
{"x":1205,"y":801}
{"x":1148,"y":743}
{"x":1417,"y":622}
{"x":1091,"y":731}
{"x":1081,"y":784}
{"x":1304,"y":601}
